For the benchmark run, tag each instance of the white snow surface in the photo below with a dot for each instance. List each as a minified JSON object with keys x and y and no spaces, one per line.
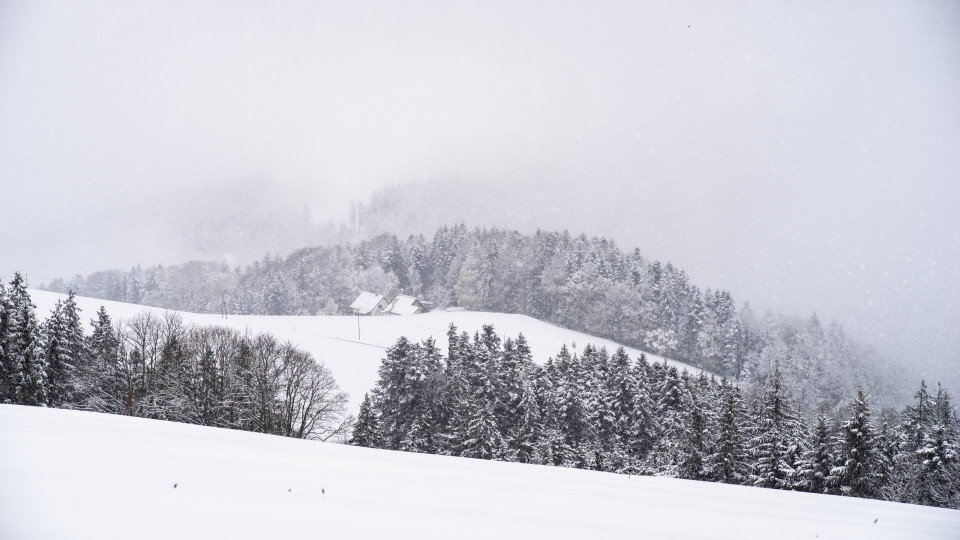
{"x":354,"y":359}
{"x":82,"y":475}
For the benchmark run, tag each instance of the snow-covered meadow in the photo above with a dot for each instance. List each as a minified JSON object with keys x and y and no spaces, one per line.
{"x":80,"y":475}
{"x":352,"y":347}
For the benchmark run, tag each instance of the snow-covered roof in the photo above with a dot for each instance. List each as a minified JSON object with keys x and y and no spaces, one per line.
{"x":366,"y":302}
{"x":405,"y":305}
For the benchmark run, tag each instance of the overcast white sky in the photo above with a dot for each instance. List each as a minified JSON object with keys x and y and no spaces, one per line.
{"x":802,"y":154}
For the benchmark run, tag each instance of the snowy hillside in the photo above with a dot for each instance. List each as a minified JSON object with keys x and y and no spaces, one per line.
{"x":352,"y":347}
{"x":72,"y":474}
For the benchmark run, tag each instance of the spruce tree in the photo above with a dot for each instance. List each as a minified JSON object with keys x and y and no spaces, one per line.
{"x":775,"y":445}
{"x":937,"y":480}
{"x":98,"y":385}
{"x":624,"y":387}
{"x":643,"y":431}
{"x":526,"y":435}
{"x":25,"y":368}
{"x":856,"y":471}
{"x":693,"y":448}
{"x":670,"y":403}
{"x":63,"y":351}
{"x":457,"y":395}
{"x":936,"y":483}
{"x":728,"y":461}
{"x":74,"y":330}
{"x":572,"y":415}
{"x":419,"y":437}
{"x":599,"y":402}
{"x":483,"y":438}
{"x":919,"y":417}
{"x":58,"y":360}
{"x":393,"y":392}
{"x":817,"y":461}
{"x":622,"y":383}
{"x":9,"y":370}
{"x":668,"y":453}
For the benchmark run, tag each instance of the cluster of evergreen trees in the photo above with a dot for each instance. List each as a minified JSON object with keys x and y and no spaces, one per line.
{"x":581,"y":283}
{"x":487,"y":399}
{"x":160,"y":367}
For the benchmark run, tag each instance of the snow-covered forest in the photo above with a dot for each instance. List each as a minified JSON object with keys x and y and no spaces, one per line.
{"x":487,"y":399}
{"x":161,"y":368}
{"x":581,"y":283}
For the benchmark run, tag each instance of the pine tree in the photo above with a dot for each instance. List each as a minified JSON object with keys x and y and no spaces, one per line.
{"x":856,"y":471}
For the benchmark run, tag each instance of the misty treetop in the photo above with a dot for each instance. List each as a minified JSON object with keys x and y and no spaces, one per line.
{"x":161,"y":368}
{"x":581,"y":283}
{"x":486,"y":399}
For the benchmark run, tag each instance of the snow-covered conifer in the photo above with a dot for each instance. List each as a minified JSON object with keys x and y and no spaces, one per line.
{"x":728,"y":462}
{"x":817,"y":461}
{"x":775,"y":444}
{"x":856,"y":471}
{"x":25,"y":369}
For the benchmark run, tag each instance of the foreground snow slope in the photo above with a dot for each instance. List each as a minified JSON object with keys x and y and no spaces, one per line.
{"x":78,"y":475}
{"x":354,"y":360}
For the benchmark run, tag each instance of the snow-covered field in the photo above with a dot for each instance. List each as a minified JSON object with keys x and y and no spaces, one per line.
{"x":352,"y":347}
{"x":78,"y":475}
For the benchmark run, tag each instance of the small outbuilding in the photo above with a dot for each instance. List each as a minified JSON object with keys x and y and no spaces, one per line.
{"x":369,"y":304}
{"x":405,"y":305}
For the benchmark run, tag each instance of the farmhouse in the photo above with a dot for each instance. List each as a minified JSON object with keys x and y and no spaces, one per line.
{"x":376,"y":304}
{"x":369,"y":304}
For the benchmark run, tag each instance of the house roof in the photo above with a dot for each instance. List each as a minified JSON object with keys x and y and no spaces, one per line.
{"x":366,"y":302}
{"x":404,"y":305}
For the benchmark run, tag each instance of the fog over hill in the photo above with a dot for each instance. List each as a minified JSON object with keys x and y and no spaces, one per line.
{"x":801,"y":156}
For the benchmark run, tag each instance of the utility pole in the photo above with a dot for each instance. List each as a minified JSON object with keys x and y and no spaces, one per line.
{"x":358,"y":328}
